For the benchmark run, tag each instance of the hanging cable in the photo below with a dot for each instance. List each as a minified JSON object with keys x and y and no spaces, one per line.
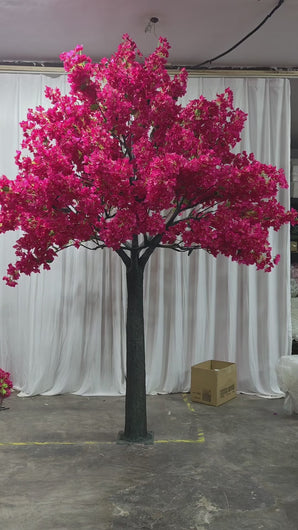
{"x":240,"y":41}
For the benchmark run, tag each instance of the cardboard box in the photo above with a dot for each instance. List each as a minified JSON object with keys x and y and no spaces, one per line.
{"x":213,"y":382}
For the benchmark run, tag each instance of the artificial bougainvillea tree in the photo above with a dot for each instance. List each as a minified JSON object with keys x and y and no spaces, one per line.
{"x":119,"y":163}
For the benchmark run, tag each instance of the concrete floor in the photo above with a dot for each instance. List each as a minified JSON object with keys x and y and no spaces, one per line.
{"x":229,"y":468}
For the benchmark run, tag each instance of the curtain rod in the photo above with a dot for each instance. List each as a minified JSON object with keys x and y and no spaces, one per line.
{"x":225,"y":72}
{"x":240,"y":73}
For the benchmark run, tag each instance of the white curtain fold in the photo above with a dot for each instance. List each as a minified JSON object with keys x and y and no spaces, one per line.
{"x":64,"y":330}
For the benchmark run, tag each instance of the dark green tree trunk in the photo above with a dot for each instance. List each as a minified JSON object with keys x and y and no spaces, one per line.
{"x":135,"y":404}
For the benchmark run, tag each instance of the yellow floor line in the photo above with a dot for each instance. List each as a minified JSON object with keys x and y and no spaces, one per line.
{"x":179,"y":441}
{"x":188,"y":404}
{"x":200,"y":439}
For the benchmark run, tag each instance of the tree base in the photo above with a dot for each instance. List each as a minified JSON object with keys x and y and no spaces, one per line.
{"x":145,"y":440}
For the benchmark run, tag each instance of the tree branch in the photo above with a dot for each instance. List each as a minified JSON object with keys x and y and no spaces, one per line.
{"x":178,"y":248}
{"x":175,"y":213}
{"x":150,"y":249}
{"x":125,"y":258}
{"x":94,"y":248}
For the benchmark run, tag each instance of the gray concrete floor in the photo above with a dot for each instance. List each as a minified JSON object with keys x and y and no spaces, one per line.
{"x":233,"y":467}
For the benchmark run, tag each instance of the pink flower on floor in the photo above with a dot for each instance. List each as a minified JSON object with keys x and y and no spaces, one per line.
{"x":5,"y":385}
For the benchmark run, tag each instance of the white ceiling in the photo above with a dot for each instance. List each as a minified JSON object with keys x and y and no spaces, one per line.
{"x":39,"y":30}
{"x":198,"y":30}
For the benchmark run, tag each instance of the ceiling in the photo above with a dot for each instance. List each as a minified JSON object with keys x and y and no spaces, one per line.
{"x":39,"y":30}
{"x":198,"y":30}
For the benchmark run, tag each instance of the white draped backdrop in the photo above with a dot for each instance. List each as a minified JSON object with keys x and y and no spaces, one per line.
{"x":64,"y":330}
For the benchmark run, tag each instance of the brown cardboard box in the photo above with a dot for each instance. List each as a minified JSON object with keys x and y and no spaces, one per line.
{"x":213,"y":382}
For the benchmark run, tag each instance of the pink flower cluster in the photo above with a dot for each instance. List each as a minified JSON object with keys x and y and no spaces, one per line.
{"x":5,"y":385}
{"x":119,"y":156}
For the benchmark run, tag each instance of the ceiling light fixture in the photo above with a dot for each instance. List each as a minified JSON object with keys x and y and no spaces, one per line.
{"x":151,"y":24}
